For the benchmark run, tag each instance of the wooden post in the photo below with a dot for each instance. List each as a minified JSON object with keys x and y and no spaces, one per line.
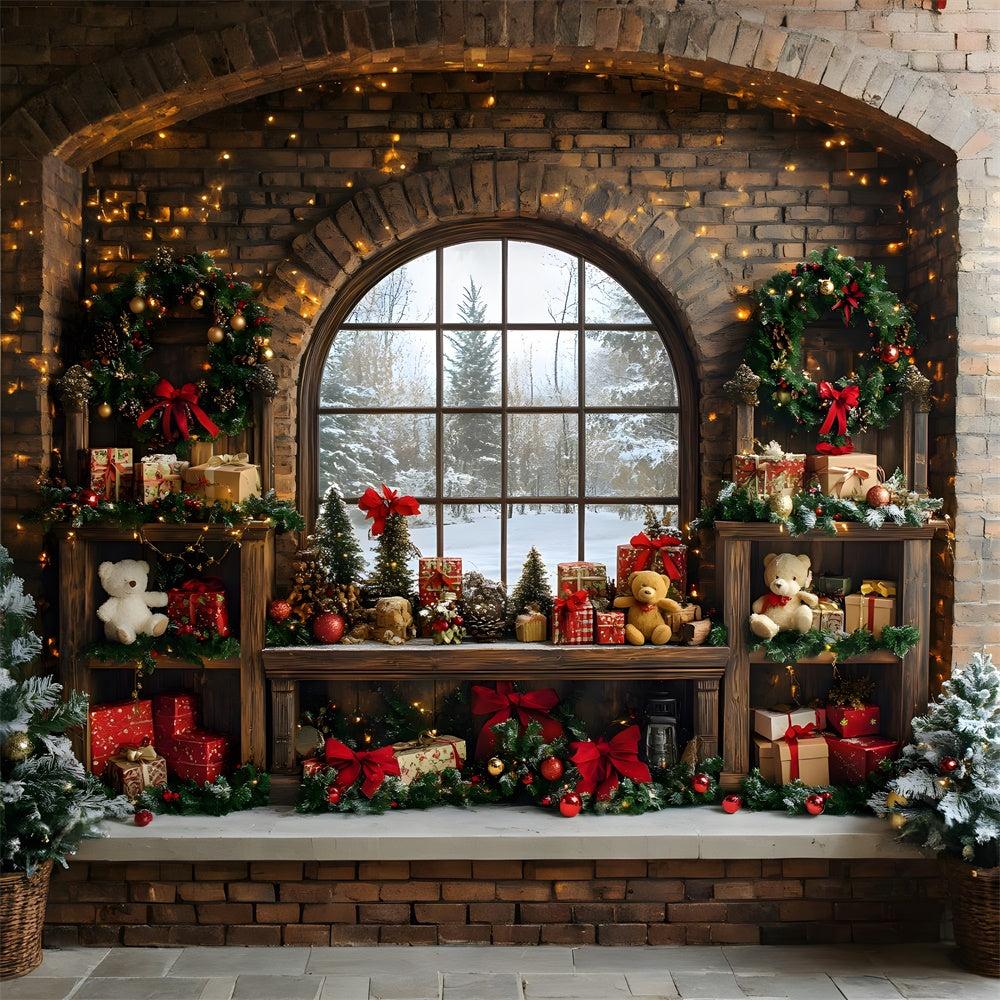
{"x":743,"y":436}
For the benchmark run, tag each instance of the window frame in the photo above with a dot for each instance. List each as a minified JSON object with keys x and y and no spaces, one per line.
{"x":643,"y":289}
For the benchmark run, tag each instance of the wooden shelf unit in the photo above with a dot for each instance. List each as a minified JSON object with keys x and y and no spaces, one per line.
{"x":901,"y":553}
{"x":81,"y":550}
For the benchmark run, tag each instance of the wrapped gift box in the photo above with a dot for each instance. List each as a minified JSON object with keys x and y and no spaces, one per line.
{"x":198,"y":607}
{"x":848,"y":476}
{"x":806,"y":758}
{"x":196,"y":755}
{"x":662,"y":555}
{"x":589,"y":576}
{"x":111,"y":473}
{"x":772,"y":471}
{"x":675,"y":619}
{"x":610,"y":628}
{"x":427,"y":754}
{"x":157,"y":476}
{"x":173,"y":714}
{"x":134,"y":768}
{"x":832,"y":586}
{"x":853,"y":721}
{"x":198,"y":773}
{"x":314,"y":765}
{"x":116,"y":724}
{"x":573,"y":626}
{"x":868,"y":611}
{"x":773,"y":723}
{"x":224,"y":479}
{"x":828,"y":615}
{"x":854,"y":758}
{"x":438,"y":576}
{"x":531,"y":626}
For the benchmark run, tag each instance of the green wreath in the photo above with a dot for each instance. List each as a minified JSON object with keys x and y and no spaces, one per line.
{"x":116,"y":343}
{"x":789,"y":302}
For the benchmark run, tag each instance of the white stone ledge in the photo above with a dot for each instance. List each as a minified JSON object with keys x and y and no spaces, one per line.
{"x":277,"y":833}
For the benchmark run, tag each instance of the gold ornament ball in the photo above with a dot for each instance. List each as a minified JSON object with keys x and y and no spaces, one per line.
{"x":877,"y":496}
{"x":781,"y":504}
{"x":826,"y":286}
{"x":495,"y":767}
{"x":266,"y":353}
{"x":104,"y":410}
{"x":238,"y":321}
{"x":894,"y":800}
{"x":197,"y":302}
{"x":18,"y":746}
{"x":137,"y":305}
{"x":783,"y":396}
{"x":216,"y":334}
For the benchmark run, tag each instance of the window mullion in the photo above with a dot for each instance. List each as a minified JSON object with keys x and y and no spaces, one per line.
{"x":439,"y":417}
{"x":503,"y":408}
{"x":581,"y":384}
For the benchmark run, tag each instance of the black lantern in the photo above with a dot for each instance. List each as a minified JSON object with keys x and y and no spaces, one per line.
{"x":661,"y":730}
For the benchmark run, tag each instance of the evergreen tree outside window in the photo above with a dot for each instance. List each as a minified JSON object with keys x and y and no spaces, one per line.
{"x":521,"y":393}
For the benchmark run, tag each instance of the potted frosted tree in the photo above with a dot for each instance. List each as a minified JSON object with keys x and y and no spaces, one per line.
{"x":48,"y":803}
{"x":947,"y":794}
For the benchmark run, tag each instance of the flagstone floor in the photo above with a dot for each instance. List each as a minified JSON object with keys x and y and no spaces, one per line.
{"x":849,"y":972}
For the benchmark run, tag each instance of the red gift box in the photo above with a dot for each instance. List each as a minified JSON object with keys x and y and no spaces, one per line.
{"x":573,"y":620}
{"x":610,"y":627}
{"x":314,"y":765}
{"x":768,"y":473}
{"x":589,"y":576}
{"x":853,"y":721}
{"x":198,"y":746}
{"x":438,"y":576}
{"x":854,"y":758}
{"x":200,"y":773}
{"x":198,"y":607}
{"x":134,"y":768}
{"x":115,"y":724}
{"x":664,"y":555}
{"x":173,"y":714}
{"x":191,"y":753}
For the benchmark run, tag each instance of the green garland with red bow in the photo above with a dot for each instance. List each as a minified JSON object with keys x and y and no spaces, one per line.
{"x":116,"y":344}
{"x":829,"y":283}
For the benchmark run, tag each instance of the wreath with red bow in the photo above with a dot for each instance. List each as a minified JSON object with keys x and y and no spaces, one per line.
{"x":116,"y":343}
{"x":830,"y":283}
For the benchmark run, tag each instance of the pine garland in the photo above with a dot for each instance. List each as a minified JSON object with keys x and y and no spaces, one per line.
{"x":247,"y":788}
{"x":790,"y":647}
{"x":147,"y":648}
{"x":759,"y":794}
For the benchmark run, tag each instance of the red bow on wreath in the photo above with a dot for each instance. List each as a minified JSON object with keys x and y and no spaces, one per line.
{"x":841,"y":400}
{"x":652,"y":545}
{"x":378,"y":508}
{"x":851,"y":297}
{"x":505,"y":703}
{"x":373,"y":764}
{"x":177,"y":404}
{"x":601,"y":763}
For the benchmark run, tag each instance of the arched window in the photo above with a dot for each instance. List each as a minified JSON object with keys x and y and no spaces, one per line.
{"x":518,"y":390}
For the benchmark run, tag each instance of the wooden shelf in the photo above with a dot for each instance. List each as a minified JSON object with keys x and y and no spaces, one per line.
{"x":170,"y":663}
{"x":847,"y":531}
{"x":875,"y":656}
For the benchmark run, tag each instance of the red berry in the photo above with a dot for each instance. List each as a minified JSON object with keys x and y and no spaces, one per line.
{"x":143,"y":817}
{"x":527,"y":779}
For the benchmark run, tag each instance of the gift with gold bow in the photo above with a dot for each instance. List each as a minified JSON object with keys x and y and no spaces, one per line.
{"x":429,"y":752}
{"x":873,"y":608}
{"x":111,"y":473}
{"x":134,"y":768}
{"x":117,"y":723}
{"x":849,"y":477}
{"x":769,"y":471}
{"x":828,"y":615}
{"x":225,"y":479}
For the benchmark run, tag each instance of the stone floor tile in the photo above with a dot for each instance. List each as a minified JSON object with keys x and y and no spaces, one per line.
{"x":209,"y":962}
{"x":365,"y":961}
{"x":693,"y":958}
{"x":866,"y":988}
{"x":163,"y":988}
{"x":708,"y":986}
{"x":758,"y":960}
{"x":649,"y":985}
{"x":491,"y":958}
{"x":929,"y":987}
{"x":345,"y":988}
{"x":277,"y":987}
{"x":415,"y":986}
{"x":136,"y":963}
{"x":579,"y":986}
{"x":60,"y":962}
{"x":220,"y":988}
{"x":481,"y":986}
{"x":35,"y":987}
{"x":816,"y":986}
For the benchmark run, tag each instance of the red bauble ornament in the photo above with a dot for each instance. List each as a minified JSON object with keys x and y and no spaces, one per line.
{"x":551,"y":768}
{"x":279,"y":611}
{"x":826,"y":796}
{"x":815,"y":804}
{"x":949,"y":764}
{"x":89,"y":498}
{"x":546,"y":800}
{"x":328,"y":627}
{"x":143,"y":817}
{"x":700,"y":783}
{"x":527,"y":779}
{"x":731,"y":803}
{"x":890,"y":354}
{"x":570,"y":804}
{"x":877,"y":496}
{"x":332,"y":794}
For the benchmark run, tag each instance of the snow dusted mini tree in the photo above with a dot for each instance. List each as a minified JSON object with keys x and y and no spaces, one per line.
{"x":948,"y":790}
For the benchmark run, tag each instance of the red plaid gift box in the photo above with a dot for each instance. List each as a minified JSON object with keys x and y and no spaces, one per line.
{"x":134,"y":768}
{"x":573,"y":620}
{"x":111,"y":473}
{"x":771,"y":471}
{"x":198,"y":607}
{"x":664,"y":554}
{"x":115,"y":724}
{"x":610,"y":628}
{"x":853,"y":758}
{"x":428,"y":753}
{"x":589,"y":576}
{"x":853,"y":721}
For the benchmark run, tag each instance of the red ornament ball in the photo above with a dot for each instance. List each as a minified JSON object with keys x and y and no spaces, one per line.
{"x":815,"y":804}
{"x":570,"y":804}
{"x":949,"y":764}
{"x":890,"y":354}
{"x":328,"y":627}
{"x":527,"y":779}
{"x":143,"y":817}
{"x":700,"y":783}
{"x":279,"y":611}
{"x":877,"y":496}
{"x":551,"y":768}
{"x":731,"y":803}
{"x":89,"y":498}
{"x":546,"y":800}
{"x":332,"y":794}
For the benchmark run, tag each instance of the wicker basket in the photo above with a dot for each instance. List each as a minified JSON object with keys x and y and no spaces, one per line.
{"x":22,"y":913}
{"x":975,"y":906}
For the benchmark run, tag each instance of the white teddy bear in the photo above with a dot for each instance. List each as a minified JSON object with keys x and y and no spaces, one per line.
{"x":787,"y":606}
{"x":126,"y":612}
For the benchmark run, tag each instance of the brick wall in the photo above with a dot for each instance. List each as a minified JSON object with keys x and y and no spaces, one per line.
{"x":500,"y":902}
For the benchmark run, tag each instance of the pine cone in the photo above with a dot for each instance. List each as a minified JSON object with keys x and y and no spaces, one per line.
{"x":483,"y":607}
{"x":106,"y":344}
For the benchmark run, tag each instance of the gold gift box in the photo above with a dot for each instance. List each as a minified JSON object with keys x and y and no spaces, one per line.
{"x":849,"y":477}
{"x":776,"y":760}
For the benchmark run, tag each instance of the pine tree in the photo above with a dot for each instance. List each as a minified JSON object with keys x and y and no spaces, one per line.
{"x":335,"y":541}
{"x":532,"y":588}
{"x":392,"y":577}
{"x":48,"y":803}
{"x":948,"y":789}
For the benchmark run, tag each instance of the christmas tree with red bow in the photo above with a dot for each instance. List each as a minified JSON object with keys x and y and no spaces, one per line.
{"x":388,"y":512}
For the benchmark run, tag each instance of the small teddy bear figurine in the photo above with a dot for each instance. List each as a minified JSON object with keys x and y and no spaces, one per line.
{"x":787,"y":605}
{"x":644,"y":620}
{"x":126,"y":612}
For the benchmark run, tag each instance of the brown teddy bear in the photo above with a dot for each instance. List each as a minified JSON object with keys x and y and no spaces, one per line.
{"x":787,"y":605}
{"x":649,"y":597}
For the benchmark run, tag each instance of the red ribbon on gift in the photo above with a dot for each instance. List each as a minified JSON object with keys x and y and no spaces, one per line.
{"x":350,"y":765}
{"x":600,"y":764}
{"x":193,"y":589}
{"x":792,"y":736}
{"x":851,"y":297}
{"x":176,"y":405}
{"x":378,"y":508}
{"x":871,"y":612}
{"x":113,"y":477}
{"x":438,"y":580}
{"x":841,"y":400}
{"x":651,"y":545}
{"x":773,"y":601}
{"x":505,"y":703}
{"x":573,"y":601}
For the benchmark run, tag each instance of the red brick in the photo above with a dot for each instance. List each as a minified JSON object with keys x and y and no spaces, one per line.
{"x":275,"y":871}
{"x":805,"y":868}
{"x":688,"y":912}
{"x":153,"y":892}
{"x":253,"y":935}
{"x":227,"y":913}
{"x":462,"y":933}
{"x":524,"y":891}
{"x":133,"y":871}
{"x":786,"y":888}
{"x":744,"y":868}
{"x":330,"y":870}
{"x":444,"y":913}
{"x":687,"y":868}
{"x":596,"y":889}
{"x":224,"y":871}
{"x":638,"y":913}
{"x":98,"y":892}
{"x":621,"y":934}
{"x":545,"y":913}
{"x":497,"y":869}
{"x":172,"y":913}
{"x":70,"y":913}
{"x":352,"y":934}
{"x":102,"y":936}
{"x":277,"y":913}
{"x":122,"y":913}
{"x":441,"y":869}
{"x":735,"y":934}
{"x":383,"y":871}
{"x":697,"y":933}
{"x":516,"y":934}
{"x":665,"y":890}
{"x":559,"y":870}
{"x":795,"y":910}
{"x":330,"y":913}
{"x":491,"y":913}
{"x":251,"y":892}
{"x":620,"y":869}
{"x":467,"y":891}
{"x":146,"y":936}
{"x":666,"y":934}
{"x":306,"y":935}
{"x":383,"y":913}
{"x":399,"y":892}
{"x":568,"y":934}
{"x":201,"y":892}
{"x":176,"y":871}
{"x":408,"y":934}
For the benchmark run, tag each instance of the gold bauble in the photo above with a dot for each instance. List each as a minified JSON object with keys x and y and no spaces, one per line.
{"x":894,"y":800}
{"x":495,"y":766}
{"x":783,"y":396}
{"x":216,"y":334}
{"x":826,"y":286}
{"x":137,"y":305}
{"x":197,"y":301}
{"x":104,"y":410}
{"x":266,"y":353}
{"x":781,"y":504}
{"x":18,"y":746}
{"x":238,"y":321}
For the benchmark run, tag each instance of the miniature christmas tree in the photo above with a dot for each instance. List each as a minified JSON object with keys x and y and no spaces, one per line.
{"x":48,"y":803}
{"x":392,"y":577}
{"x":338,"y":547}
{"x":948,"y":790}
{"x":532,"y":588}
